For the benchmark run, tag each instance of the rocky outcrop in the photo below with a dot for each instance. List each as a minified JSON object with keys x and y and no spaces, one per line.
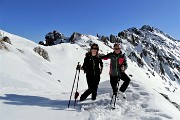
{"x":6,"y":39}
{"x":112,"y":38}
{"x":74,"y":37}
{"x":152,"y":47}
{"x":147,"y":27}
{"x":123,"y":34}
{"x":53,"y":38}
{"x":2,"y":44}
{"x":42,"y":53}
{"x":174,"y":103}
{"x":136,"y":58}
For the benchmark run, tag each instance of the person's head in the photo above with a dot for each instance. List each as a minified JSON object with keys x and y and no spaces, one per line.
{"x":94,"y":49}
{"x":117,"y":48}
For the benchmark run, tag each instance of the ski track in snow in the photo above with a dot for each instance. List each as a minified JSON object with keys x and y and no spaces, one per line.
{"x":135,"y":105}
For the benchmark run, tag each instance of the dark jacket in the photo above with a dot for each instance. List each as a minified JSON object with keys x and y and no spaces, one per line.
{"x":91,"y":65}
{"x":117,"y":60}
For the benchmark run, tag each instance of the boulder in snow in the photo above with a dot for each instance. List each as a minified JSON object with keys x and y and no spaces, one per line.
{"x":6,"y":39}
{"x":42,"y":53}
{"x":2,"y":44}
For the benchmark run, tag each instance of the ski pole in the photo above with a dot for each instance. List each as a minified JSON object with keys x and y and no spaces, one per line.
{"x":76,"y":93}
{"x":73,"y":87}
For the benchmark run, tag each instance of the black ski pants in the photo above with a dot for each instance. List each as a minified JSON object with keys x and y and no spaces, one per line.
{"x":93,"y":82}
{"x":115,"y":79}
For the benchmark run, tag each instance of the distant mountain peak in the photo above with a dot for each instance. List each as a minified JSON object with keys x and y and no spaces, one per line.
{"x":147,"y":27}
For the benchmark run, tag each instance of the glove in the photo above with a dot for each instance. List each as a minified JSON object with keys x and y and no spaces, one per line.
{"x":122,"y":68}
{"x":78,"y":67}
{"x":76,"y":95}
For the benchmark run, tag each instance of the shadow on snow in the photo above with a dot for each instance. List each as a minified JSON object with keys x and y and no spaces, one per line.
{"x":15,"y":99}
{"x":20,"y":100}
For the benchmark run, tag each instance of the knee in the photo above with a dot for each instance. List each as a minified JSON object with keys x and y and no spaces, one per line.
{"x":128,"y":79}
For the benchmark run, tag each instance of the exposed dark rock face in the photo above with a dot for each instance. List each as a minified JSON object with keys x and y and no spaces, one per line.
{"x":42,"y":53}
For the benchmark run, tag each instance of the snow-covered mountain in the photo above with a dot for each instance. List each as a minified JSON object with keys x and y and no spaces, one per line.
{"x":36,"y":80}
{"x":155,"y":50}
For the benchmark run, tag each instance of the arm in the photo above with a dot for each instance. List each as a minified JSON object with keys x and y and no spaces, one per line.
{"x":84,"y":65}
{"x":125,"y":62}
{"x":106,"y":57}
{"x":101,"y":65}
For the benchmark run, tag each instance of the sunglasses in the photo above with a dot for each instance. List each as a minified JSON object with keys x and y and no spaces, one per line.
{"x":117,"y":48}
{"x":95,"y":48}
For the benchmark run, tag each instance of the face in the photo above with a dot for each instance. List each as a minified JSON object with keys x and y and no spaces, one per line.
{"x":117,"y":49}
{"x":94,"y":51}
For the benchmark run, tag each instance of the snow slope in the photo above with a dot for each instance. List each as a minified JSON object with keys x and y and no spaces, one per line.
{"x":32,"y":88}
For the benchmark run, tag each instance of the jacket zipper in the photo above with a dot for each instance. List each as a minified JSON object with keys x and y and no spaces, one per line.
{"x":116,"y":64}
{"x":93,"y":65}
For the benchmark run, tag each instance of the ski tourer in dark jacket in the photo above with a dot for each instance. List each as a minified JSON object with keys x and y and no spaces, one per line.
{"x":117,"y":61}
{"x":92,"y":66}
{"x":118,"y":65}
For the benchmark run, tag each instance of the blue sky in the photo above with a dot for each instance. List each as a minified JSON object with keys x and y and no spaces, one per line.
{"x":32,"y":19}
